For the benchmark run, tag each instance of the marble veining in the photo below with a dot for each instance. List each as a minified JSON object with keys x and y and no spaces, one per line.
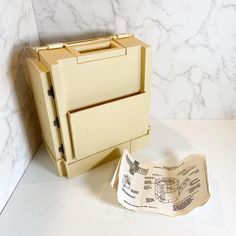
{"x":194,"y":61}
{"x":19,"y":128}
{"x":194,"y":47}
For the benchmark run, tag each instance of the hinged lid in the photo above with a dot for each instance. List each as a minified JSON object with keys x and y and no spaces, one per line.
{"x":35,"y":50}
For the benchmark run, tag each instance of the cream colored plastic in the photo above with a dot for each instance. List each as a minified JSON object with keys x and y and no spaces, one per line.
{"x":96,"y":81}
{"x":100,"y":127}
{"x":97,"y":159}
{"x":101,"y":99}
{"x":90,"y":162}
{"x":40,"y":82}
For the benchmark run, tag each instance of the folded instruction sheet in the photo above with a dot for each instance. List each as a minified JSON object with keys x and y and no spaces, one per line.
{"x":173,"y":190}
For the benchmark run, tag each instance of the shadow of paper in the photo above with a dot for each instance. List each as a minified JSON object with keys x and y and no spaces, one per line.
{"x":211,"y":213}
{"x":99,"y":179}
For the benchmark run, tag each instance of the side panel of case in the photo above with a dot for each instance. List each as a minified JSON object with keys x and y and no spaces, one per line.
{"x":40,"y":82}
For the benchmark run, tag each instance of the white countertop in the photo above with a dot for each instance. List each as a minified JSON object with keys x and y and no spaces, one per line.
{"x":45,"y":204}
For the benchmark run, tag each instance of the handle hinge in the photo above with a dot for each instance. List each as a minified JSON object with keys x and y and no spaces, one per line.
{"x":121,"y":36}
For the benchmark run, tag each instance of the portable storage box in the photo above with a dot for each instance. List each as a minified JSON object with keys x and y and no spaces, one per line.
{"x":92,"y":98}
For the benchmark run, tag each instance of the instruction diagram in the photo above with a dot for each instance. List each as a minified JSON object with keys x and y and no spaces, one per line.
{"x":171,"y":190}
{"x":134,"y":167}
{"x":168,"y":189}
{"x":126,"y":181}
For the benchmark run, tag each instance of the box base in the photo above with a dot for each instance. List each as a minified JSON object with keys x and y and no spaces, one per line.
{"x":79,"y":167}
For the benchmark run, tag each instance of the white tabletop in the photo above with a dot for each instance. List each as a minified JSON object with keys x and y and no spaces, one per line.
{"x":45,"y":204}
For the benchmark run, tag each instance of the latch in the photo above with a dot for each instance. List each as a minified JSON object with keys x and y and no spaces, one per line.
{"x":55,"y":45}
{"x":50,"y":92}
{"x":61,"y":149}
{"x":121,"y":36}
{"x":56,"y":122}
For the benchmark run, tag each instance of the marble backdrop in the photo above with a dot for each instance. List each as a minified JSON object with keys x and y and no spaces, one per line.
{"x":19,"y":129}
{"x":194,"y":46}
{"x":194,"y":61}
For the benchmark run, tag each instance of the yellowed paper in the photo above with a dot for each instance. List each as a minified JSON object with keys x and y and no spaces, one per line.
{"x":172,"y":191}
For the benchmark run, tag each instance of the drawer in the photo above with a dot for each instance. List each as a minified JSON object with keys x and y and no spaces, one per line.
{"x":101,"y":127}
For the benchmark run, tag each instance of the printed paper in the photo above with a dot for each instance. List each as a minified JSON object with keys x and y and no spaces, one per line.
{"x":173,"y":190}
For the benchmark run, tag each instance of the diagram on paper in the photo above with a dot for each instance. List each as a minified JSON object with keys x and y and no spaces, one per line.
{"x":126,"y":181}
{"x":171,"y":190}
{"x":168,"y":189}
{"x":134,"y":167}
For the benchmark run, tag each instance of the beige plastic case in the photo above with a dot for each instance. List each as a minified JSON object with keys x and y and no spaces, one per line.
{"x":92,"y":98}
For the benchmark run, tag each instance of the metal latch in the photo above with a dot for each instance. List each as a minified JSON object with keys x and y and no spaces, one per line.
{"x":61,"y":149}
{"x":56,"y":122}
{"x":50,"y":92}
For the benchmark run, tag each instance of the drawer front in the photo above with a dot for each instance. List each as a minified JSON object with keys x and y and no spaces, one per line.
{"x":81,"y":166}
{"x":101,"y":127}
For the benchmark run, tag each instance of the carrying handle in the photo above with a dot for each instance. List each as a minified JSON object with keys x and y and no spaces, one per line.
{"x":86,"y":46}
{"x":96,"y":49}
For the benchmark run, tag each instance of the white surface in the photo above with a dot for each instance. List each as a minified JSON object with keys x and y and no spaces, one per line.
{"x":19,"y":129}
{"x":194,"y":60}
{"x":44,"y":204}
{"x":193,"y":41}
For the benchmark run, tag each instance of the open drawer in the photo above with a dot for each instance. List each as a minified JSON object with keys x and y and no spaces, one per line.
{"x":101,"y":127}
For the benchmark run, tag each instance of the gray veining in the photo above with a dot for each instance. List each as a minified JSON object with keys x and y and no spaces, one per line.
{"x":194,"y":61}
{"x":20,"y":132}
{"x":194,"y":47}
